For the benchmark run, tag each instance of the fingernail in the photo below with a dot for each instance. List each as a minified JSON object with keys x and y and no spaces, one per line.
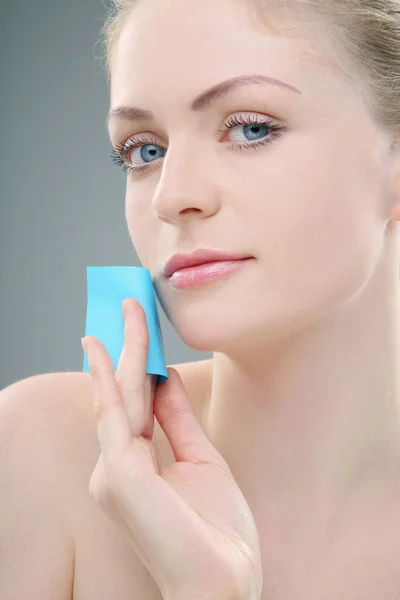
{"x":83,"y":342}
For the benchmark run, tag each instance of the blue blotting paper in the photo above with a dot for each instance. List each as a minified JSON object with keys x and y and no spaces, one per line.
{"x":107,"y":288}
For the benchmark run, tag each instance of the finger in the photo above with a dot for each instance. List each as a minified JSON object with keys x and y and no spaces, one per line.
{"x":112,"y":422}
{"x":151,"y":382}
{"x":134,"y":384}
{"x":178,"y":420}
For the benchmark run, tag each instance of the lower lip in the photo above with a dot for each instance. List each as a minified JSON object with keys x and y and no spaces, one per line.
{"x":206,"y":272}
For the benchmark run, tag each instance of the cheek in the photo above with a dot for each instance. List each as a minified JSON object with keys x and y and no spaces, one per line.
{"x":321,"y":233}
{"x":139,"y":228}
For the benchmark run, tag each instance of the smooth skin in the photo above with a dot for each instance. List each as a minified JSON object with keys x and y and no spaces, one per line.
{"x":305,"y":400}
{"x":189,"y":523}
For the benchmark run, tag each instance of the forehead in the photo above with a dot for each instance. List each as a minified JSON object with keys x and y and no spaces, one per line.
{"x":169,"y":51}
{"x":202,"y":39}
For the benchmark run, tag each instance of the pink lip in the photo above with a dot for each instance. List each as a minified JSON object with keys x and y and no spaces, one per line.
{"x":182,"y":261}
{"x":204,"y":273}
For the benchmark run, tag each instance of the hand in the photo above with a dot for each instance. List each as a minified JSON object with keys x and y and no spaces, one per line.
{"x":189,"y":523}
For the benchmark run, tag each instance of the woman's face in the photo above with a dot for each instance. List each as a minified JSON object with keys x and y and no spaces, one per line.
{"x":311,"y":205}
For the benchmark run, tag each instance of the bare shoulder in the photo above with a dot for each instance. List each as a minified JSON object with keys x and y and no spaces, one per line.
{"x":51,"y":422}
{"x":40,"y":409}
{"x":61,"y":401}
{"x":55,"y":409}
{"x":36,"y":545}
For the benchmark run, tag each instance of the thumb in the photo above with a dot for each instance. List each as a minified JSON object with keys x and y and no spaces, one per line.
{"x":180,"y":424}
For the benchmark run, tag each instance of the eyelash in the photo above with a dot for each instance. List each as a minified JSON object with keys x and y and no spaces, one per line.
{"x":120,"y":153}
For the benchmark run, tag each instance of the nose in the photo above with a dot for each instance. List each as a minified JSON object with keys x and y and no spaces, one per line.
{"x":185,"y":189}
{"x":186,"y":212}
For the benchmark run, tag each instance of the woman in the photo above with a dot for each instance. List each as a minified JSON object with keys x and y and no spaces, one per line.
{"x":295,"y":466}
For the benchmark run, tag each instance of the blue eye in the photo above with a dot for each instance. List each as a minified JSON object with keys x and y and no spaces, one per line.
{"x":148,"y":147}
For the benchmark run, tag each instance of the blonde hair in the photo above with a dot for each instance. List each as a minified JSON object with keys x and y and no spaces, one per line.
{"x":362,"y":36}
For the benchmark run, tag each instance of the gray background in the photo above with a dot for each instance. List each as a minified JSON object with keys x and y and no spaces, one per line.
{"x":61,"y":198}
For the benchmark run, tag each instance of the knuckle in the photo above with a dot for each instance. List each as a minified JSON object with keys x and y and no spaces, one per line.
{"x":99,"y":492}
{"x":95,"y":371}
{"x":99,"y":484}
{"x":129,"y":388}
{"x":174,"y":419}
{"x":132,"y":389}
{"x":140,"y":341}
{"x":103,"y":490}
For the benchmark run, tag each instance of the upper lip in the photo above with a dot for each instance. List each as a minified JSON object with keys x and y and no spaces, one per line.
{"x":199,"y":257}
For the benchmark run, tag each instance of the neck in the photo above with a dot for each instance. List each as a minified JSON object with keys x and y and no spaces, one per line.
{"x":314,"y":426}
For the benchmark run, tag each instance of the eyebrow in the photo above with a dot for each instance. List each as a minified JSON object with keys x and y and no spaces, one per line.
{"x":202,"y":101}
